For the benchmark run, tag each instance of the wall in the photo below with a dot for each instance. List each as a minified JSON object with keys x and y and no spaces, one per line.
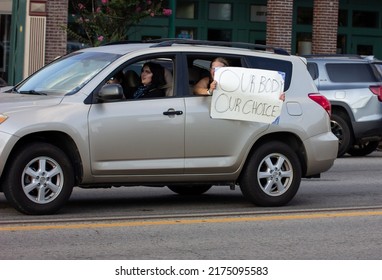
{"x":279,"y":23}
{"x":55,"y":34}
{"x":325,"y":18}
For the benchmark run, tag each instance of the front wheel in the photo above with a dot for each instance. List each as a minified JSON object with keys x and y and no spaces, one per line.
{"x":39,"y":179}
{"x":272,"y":175}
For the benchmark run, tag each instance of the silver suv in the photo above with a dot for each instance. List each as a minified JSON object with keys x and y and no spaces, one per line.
{"x":353,"y":85}
{"x":63,"y":127}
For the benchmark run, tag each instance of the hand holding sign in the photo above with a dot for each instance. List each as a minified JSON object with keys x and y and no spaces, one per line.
{"x":247,"y":94}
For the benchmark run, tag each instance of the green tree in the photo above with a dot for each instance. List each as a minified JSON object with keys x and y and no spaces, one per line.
{"x":100,"y":21}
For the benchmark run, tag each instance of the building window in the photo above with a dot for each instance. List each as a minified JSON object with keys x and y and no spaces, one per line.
{"x":185,"y":33}
{"x":219,"y":11}
{"x":186,"y":10}
{"x":342,"y":18}
{"x":150,"y":37}
{"x":304,"y":43}
{"x":37,"y":8}
{"x":365,"y":19}
{"x":305,"y":15}
{"x":258,"y":13}
{"x":341,"y":44}
{"x":219,"y":34}
{"x":365,"y":49}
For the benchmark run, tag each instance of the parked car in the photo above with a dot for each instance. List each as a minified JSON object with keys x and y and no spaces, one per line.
{"x":353,"y":85}
{"x":64,"y":126}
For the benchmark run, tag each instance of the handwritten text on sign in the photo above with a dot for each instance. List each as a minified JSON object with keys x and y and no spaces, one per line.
{"x":247,"y":94}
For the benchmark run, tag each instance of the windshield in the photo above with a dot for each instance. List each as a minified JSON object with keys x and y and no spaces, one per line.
{"x":67,"y":75}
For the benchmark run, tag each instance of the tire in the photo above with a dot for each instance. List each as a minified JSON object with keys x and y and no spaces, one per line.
{"x":39,"y":180}
{"x":341,"y":130}
{"x":190,"y":190}
{"x":272,"y":175}
{"x":363,"y":149}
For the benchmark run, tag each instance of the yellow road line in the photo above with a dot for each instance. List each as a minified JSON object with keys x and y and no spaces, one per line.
{"x":194,"y":221}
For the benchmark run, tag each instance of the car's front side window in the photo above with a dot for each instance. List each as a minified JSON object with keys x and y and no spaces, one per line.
{"x":146,"y":78}
{"x":66,"y":75}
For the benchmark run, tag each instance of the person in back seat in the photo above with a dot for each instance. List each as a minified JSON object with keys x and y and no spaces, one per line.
{"x":207,"y":85}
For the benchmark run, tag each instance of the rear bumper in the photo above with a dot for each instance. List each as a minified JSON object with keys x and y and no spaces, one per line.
{"x":371,"y":130}
{"x":322,"y":151}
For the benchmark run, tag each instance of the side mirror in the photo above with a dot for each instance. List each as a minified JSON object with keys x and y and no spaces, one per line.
{"x":111,"y":92}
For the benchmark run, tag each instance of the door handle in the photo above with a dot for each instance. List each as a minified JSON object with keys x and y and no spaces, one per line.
{"x":171,"y":112}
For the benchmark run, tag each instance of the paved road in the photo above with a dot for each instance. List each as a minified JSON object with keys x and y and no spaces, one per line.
{"x":338,"y":216}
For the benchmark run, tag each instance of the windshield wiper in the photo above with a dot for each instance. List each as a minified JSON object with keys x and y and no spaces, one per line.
{"x":33,"y":92}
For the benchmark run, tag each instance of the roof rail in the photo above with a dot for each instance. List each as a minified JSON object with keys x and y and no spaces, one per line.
{"x":172,"y":41}
{"x":334,"y":55}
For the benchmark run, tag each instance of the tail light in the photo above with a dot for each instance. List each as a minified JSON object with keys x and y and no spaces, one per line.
{"x":377,"y":90}
{"x":321,"y":100}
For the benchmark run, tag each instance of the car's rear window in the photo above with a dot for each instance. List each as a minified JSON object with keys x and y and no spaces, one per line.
{"x":350,"y":73}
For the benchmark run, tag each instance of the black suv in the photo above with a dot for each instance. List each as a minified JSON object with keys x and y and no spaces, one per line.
{"x":353,"y":85}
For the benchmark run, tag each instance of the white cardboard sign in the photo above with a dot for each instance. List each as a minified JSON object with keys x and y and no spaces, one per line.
{"x":247,"y":94}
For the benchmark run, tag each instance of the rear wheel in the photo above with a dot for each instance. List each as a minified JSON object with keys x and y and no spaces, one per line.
{"x":190,"y":190}
{"x":363,"y":149}
{"x":272,"y":175}
{"x":341,"y":130}
{"x":39,"y":179}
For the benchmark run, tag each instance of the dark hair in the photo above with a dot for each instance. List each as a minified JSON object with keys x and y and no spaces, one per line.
{"x":158,"y":74}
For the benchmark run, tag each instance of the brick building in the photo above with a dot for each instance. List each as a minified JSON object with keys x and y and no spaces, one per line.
{"x":57,"y":11}
{"x":299,"y":26}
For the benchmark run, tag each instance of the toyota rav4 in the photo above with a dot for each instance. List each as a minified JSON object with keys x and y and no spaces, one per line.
{"x":64,"y":126}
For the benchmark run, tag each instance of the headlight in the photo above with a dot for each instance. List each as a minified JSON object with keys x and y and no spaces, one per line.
{"x":3,"y":118}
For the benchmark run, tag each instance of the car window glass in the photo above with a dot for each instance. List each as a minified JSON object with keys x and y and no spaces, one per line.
{"x":199,"y":67}
{"x":350,"y":72}
{"x":272,"y":64}
{"x":67,"y":75}
{"x":378,"y":67}
{"x":313,"y":70}
{"x":129,"y":76}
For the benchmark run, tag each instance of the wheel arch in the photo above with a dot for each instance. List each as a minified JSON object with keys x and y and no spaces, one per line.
{"x":58,"y":139}
{"x":343,"y":110}
{"x":342,"y":107}
{"x":285,"y":137}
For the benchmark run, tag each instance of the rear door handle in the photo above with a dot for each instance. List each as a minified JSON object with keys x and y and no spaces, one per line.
{"x":171,"y":112}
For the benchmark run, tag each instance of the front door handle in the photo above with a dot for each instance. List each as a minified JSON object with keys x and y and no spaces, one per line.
{"x":171,"y":112}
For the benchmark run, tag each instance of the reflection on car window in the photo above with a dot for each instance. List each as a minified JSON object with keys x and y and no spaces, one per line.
{"x":67,"y":75}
